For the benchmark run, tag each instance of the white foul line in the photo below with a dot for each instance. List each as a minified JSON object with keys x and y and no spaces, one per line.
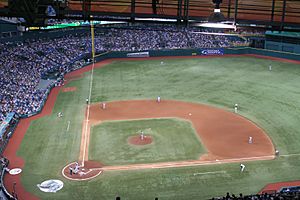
{"x":215,"y":172}
{"x":289,"y":155}
{"x":88,"y":114}
{"x":68,"y":127}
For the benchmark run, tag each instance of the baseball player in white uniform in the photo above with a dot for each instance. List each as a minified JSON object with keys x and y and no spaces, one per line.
{"x":76,"y":169}
{"x":242,"y":166}
{"x":142,"y":135}
{"x":158,"y":99}
{"x":236,"y":106}
{"x":250,"y":140}
{"x":276,"y":152}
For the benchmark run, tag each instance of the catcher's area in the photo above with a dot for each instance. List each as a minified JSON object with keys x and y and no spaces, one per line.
{"x":224,"y":134}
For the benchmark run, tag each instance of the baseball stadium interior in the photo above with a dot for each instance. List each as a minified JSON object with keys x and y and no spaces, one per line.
{"x":44,"y":43}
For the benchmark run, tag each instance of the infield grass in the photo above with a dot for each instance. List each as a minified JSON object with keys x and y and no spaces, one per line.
{"x":173,"y":140}
{"x":269,"y":98}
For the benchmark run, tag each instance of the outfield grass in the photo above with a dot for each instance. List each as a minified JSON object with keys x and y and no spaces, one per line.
{"x":269,"y":98}
{"x":173,"y":140}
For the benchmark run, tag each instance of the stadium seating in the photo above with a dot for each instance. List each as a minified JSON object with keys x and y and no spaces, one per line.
{"x":24,"y":64}
{"x":288,"y":195}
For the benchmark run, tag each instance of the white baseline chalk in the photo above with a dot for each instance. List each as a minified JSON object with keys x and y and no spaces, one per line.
{"x":215,"y":172}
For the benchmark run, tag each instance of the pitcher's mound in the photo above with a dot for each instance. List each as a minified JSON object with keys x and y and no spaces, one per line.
{"x":136,"y":140}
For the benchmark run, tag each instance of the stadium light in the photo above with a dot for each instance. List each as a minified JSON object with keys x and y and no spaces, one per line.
{"x":156,"y":19}
{"x":217,"y":19}
{"x":230,"y":25}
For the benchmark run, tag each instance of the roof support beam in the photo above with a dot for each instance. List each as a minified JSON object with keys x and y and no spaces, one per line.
{"x":236,"y":5}
{"x":283,"y":15}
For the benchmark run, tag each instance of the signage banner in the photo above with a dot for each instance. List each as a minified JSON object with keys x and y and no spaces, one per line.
{"x":138,"y":55}
{"x":212,"y":52}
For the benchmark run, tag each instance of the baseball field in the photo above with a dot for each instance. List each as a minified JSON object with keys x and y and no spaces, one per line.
{"x":194,"y":142}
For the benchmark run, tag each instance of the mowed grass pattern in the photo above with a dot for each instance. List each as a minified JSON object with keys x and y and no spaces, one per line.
{"x":269,"y":98}
{"x":173,"y":140}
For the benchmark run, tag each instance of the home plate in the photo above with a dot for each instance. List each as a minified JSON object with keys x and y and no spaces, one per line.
{"x":190,"y":114}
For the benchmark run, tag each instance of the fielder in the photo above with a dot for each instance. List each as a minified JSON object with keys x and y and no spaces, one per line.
{"x":158,"y":99}
{"x":242,"y":166}
{"x":236,"y":106}
{"x":142,"y":135}
{"x":276,"y":152}
{"x":103,"y":105}
{"x":250,"y":140}
{"x":87,"y":100}
{"x":270,"y":67}
{"x":60,"y":114}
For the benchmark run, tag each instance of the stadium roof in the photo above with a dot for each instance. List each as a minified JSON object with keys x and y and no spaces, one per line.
{"x":277,"y":14}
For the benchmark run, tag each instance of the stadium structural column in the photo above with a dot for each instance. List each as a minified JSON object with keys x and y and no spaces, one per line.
{"x":186,"y":11}
{"x":86,"y":8}
{"x":179,"y":11}
{"x":228,"y":9}
{"x":236,"y":5}
{"x":154,"y":6}
{"x":283,"y":15}
{"x":26,"y":8}
{"x":272,"y":11}
{"x":132,"y":14}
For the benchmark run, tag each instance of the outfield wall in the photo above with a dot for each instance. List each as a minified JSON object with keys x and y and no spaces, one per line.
{"x":282,"y":46}
{"x":200,"y":52}
{"x":263,"y":52}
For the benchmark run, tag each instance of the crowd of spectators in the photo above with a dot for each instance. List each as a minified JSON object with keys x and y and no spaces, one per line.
{"x":170,"y":37}
{"x":274,"y":196}
{"x":23,"y":64}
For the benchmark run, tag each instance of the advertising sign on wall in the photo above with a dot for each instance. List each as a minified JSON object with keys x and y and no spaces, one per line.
{"x":212,"y":52}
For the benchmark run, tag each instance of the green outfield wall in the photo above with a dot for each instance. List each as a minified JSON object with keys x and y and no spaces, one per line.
{"x":199,"y":52}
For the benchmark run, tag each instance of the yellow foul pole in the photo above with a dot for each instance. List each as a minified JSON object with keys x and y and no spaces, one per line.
{"x":93,"y":40}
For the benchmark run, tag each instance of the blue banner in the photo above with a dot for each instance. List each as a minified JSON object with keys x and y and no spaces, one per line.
{"x":212,"y":52}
